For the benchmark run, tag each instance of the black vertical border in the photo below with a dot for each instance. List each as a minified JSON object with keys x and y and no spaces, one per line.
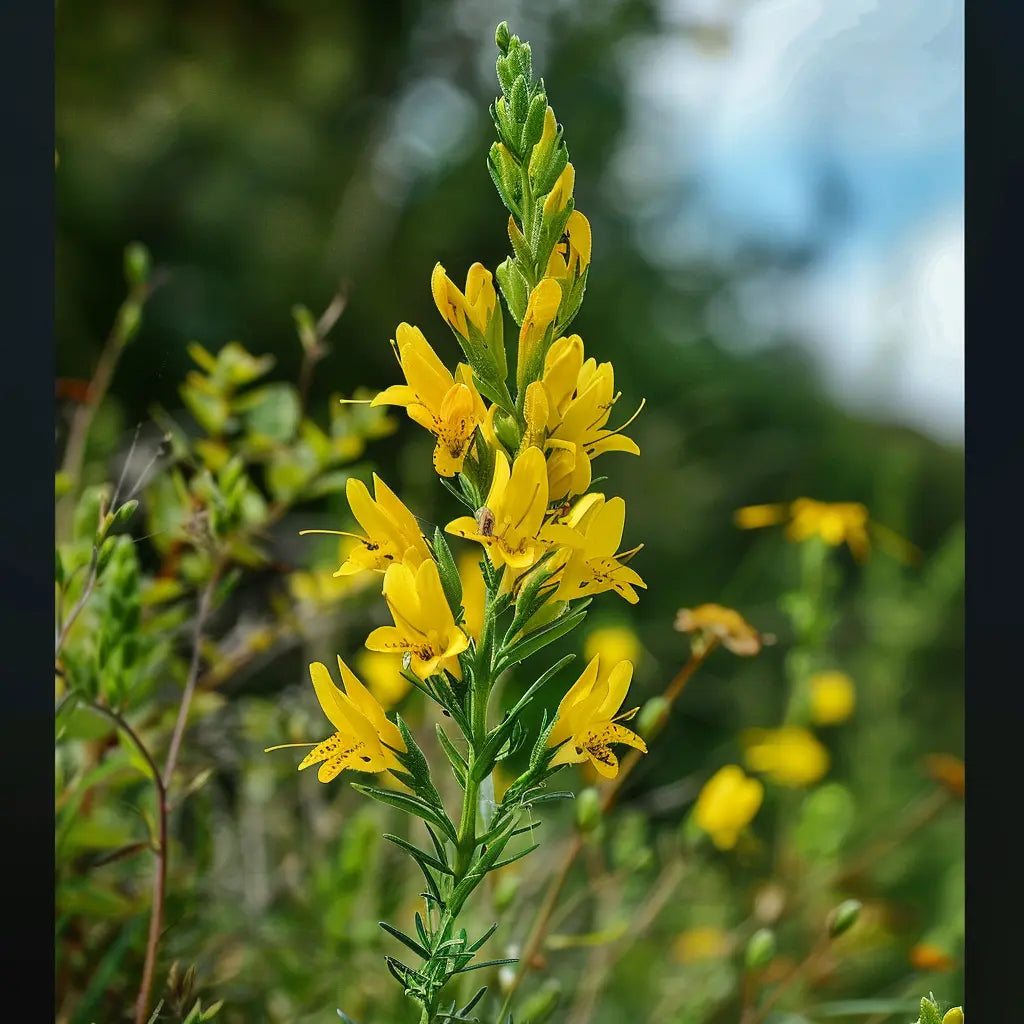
{"x":26,"y":510}
{"x":994,"y":677}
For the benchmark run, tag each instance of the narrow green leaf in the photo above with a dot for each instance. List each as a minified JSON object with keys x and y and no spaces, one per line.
{"x":417,"y":853}
{"x":535,"y":642}
{"x":451,"y":582}
{"x":415,"y":806}
{"x":406,"y":940}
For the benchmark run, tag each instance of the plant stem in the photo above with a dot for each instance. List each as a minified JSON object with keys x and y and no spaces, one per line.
{"x":611,"y":792}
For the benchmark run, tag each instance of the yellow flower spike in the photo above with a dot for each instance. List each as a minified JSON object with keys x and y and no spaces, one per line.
{"x":474,"y":592}
{"x":541,"y":310}
{"x":561,"y":193}
{"x":832,"y":697}
{"x":581,"y":436}
{"x":514,"y":534}
{"x":723,"y":624}
{"x":424,"y":625}
{"x":449,"y":407}
{"x":392,"y":532}
{"x":383,"y":676}
{"x":596,"y":565}
{"x":788,"y":756}
{"x":727,"y":804}
{"x":364,"y":732}
{"x":834,"y":523}
{"x":588,"y":719}
{"x":475,"y":306}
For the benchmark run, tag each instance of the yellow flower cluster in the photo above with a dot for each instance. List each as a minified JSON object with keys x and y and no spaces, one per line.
{"x":524,"y":466}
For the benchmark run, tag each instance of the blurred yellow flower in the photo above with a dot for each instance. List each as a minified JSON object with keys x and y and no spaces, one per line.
{"x":724,"y":624}
{"x":788,"y":756}
{"x":383,"y":676}
{"x":707,"y":943}
{"x":424,"y":625}
{"x":832,"y":697}
{"x":612,"y":644}
{"x":364,"y":731}
{"x":727,"y":804}
{"x":587,"y":719}
{"x":926,"y":957}
{"x":833,"y":522}
{"x":474,"y":592}
{"x":948,"y":771}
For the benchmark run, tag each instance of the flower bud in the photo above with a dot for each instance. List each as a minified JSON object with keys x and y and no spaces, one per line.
{"x":653,"y":716}
{"x":843,"y":917}
{"x":136,"y":264}
{"x":954,"y":1016}
{"x":760,"y":948}
{"x":588,"y":809}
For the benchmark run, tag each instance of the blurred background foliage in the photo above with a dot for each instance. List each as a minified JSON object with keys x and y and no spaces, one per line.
{"x":270,"y":152}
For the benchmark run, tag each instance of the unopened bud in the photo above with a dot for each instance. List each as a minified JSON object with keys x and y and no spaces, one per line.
{"x":588,"y":809}
{"x":652,"y":717}
{"x":843,"y":917}
{"x":954,"y":1016}
{"x":760,"y":948}
{"x":502,"y":37}
{"x":136,"y":264}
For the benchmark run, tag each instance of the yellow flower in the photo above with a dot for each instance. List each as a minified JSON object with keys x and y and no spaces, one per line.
{"x":475,"y":307}
{"x":560,"y":194}
{"x":449,"y":407}
{"x":383,"y":675}
{"x":723,"y":624}
{"x":571,"y":257}
{"x":707,"y":943}
{"x":562,"y":366}
{"x":727,"y":804}
{"x":587,"y":719}
{"x":789,"y":756}
{"x":581,"y":436}
{"x":613,"y":644}
{"x":392,"y":533}
{"x":424,"y":625}
{"x":474,"y":592}
{"x":833,"y":522}
{"x":363,"y":730}
{"x":517,"y":501}
{"x":596,"y":564}
{"x":541,"y":309}
{"x":832,"y":697}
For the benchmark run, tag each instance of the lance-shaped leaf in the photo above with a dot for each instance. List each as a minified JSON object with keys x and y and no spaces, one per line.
{"x":458,"y":762}
{"x":413,"y":805}
{"x":451,"y":582}
{"x":536,"y":641}
{"x":416,"y":764}
{"x":421,"y":856}
{"x":406,"y":940}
